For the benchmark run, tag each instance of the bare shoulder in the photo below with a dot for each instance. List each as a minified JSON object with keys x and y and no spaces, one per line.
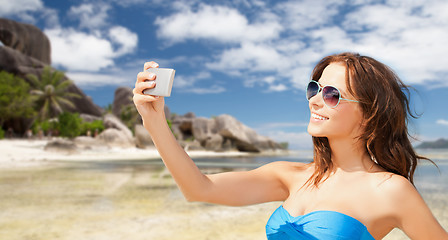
{"x":290,"y":173}
{"x":394,"y":188}
{"x":407,"y":207}
{"x":285,"y":167}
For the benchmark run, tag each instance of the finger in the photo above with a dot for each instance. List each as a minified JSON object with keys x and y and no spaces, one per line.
{"x":145,"y":76}
{"x":140,"y":87}
{"x":151,"y":64}
{"x":140,"y":99}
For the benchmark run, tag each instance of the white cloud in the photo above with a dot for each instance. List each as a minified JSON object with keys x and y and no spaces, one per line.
{"x":251,"y":57}
{"x":412,"y":42}
{"x":19,"y":7}
{"x":308,"y":14}
{"x":277,"y":88}
{"x":189,"y":84}
{"x":80,"y":51}
{"x":207,"y":90}
{"x":88,"y":80}
{"x":219,"y":23}
{"x":125,"y":39}
{"x":51,"y":18}
{"x":77,"y":50}
{"x":90,"y":16}
{"x":409,"y":36}
{"x":442,"y":122}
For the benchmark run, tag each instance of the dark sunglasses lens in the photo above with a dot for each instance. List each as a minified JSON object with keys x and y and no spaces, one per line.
{"x":312,"y":90}
{"x":331,"y":96}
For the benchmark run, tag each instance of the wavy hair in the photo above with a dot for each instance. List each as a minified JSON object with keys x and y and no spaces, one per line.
{"x":384,"y":101}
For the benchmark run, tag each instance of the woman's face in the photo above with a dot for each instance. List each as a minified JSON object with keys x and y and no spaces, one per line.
{"x":340,"y":122}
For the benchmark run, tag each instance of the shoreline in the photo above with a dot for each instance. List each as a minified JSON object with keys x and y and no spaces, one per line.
{"x":31,"y":152}
{"x":22,"y":152}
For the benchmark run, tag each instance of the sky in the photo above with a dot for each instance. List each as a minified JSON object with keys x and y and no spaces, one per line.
{"x":248,"y":58}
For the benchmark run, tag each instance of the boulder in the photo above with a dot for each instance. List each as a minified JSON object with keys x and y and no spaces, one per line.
{"x":214,"y":143}
{"x":113,"y":137}
{"x":167,"y":112}
{"x":61,"y":145}
{"x":85,"y":142}
{"x":203,"y":128}
{"x":223,"y":133}
{"x":27,"y":39}
{"x":142,"y":137}
{"x":122,"y":97}
{"x":111,"y":121}
{"x":182,"y":126}
{"x":190,"y":115}
{"x":89,"y":118}
{"x":243,"y":136}
{"x":191,"y":145}
{"x":26,"y":50}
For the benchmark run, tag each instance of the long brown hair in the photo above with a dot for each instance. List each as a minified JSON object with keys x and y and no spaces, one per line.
{"x":386,"y":111}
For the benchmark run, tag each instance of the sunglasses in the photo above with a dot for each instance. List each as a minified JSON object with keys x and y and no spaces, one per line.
{"x":331,"y":95}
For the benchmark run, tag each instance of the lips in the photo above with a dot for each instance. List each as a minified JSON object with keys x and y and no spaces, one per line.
{"x":317,"y":116}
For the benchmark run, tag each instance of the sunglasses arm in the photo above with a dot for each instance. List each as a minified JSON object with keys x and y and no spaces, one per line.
{"x":349,"y":100}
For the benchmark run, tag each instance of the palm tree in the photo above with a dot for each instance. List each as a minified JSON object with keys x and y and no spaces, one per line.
{"x":50,"y":92}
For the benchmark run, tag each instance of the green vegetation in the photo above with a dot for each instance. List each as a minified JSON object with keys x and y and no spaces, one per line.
{"x":15,"y":100}
{"x":70,"y":124}
{"x":45,"y":125}
{"x":92,"y":126}
{"x":170,"y":124}
{"x":47,"y":98}
{"x":2,"y":133}
{"x":108,"y":108}
{"x":284,"y":145}
{"x":51,"y":93}
{"x":129,"y":116}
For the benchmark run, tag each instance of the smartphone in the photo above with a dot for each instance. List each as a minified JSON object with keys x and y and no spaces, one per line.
{"x":164,"y":82}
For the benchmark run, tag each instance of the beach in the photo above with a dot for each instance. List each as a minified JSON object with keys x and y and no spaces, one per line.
{"x":113,"y":193}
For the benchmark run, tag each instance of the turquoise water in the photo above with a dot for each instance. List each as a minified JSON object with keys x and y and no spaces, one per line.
{"x":79,"y":200}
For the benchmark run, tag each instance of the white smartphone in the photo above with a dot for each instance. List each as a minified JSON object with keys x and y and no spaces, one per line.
{"x":164,"y":82}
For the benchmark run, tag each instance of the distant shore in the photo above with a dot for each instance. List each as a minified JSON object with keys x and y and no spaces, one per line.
{"x":31,"y":152}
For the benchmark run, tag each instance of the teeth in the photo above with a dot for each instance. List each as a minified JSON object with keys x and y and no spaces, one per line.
{"x":318,"y":116}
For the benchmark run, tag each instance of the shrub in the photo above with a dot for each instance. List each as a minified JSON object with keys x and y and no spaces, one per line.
{"x":70,"y":124}
{"x":15,"y":100}
{"x":45,"y":125}
{"x":92,"y":126}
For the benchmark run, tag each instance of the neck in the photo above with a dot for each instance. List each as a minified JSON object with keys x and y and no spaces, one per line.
{"x":349,"y":155}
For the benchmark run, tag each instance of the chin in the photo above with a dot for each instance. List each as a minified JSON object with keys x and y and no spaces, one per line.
{"x":316,"y":132}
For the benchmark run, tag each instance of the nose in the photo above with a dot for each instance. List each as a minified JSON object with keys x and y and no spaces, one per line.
{"x":316,"y":101}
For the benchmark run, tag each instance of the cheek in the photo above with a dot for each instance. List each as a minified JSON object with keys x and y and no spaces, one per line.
{"x":347,"y":122}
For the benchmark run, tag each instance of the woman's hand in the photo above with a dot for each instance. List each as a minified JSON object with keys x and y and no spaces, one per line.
{"x":148,"y":106}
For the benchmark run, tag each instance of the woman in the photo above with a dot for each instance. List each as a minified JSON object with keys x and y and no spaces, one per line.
{"x":360,"y":183}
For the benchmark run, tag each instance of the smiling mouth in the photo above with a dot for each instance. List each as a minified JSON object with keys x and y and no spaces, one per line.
{"x":316,"y":116}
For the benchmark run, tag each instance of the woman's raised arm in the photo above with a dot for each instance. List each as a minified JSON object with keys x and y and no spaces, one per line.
{"x":263,"y":184}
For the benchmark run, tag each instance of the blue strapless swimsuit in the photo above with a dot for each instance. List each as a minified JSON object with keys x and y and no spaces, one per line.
{"x":317,"y":225}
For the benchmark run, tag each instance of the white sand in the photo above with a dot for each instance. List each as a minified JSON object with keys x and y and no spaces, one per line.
{"x":22,"y":153}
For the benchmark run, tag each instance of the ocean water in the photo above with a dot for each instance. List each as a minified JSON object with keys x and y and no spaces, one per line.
{"x":139,"y":200}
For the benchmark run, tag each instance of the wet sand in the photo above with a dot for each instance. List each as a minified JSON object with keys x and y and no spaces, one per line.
{"x":83,"y":196}
{"x":90,"y":200}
